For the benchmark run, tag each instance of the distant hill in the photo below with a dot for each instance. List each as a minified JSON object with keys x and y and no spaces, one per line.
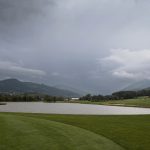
{"x":68,"y":87}
{"x":147,"y":88}
{"x":16,"y":86}
{"x":138,"y":86}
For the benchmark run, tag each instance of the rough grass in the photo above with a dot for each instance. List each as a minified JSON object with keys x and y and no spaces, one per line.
{"x":130,"y":132}
{"x":39,"y":133}
{"x":137,"y":102}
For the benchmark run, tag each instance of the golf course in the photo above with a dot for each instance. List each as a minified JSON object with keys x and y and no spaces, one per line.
{"x":25,"y":131}
{"x":74,"y":75}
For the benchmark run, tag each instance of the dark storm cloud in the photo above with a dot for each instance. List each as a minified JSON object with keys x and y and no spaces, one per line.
{"x":69,"y":42}
{"x":17,"y":10}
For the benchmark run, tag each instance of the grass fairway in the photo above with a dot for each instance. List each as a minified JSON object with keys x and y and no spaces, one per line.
{"x":73,"y":132}
{"x":32,"y":133}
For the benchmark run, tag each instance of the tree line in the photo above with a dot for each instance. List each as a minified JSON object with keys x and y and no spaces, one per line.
{"x":121,"y":95}
{"x":28,"y":98}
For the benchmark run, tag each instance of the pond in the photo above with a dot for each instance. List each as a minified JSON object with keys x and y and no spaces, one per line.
{"x":69,"y":108}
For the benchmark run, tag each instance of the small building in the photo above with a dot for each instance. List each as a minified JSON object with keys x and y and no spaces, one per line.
{"x":75,"y":98}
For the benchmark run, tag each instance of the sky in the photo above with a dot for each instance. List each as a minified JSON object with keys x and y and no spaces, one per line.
{"x":96,"y":46}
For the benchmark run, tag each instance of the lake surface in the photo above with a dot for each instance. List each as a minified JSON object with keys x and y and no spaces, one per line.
{"x":69,"y":108}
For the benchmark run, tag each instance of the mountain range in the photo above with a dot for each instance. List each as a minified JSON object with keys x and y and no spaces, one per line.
{"x":16,"y":86}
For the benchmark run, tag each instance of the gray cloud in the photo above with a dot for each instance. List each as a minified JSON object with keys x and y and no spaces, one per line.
{"x":130,"y":64}
{"x":10,"y":69}
{"x":67,"y":38}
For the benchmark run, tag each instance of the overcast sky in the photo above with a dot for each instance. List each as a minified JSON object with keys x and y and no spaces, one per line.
{"x":92,"y":45}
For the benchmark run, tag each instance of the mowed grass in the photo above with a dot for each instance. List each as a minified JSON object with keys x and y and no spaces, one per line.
{"x":137,"y":102}
{"x":74,"y":132}
{"x":38,"y":133}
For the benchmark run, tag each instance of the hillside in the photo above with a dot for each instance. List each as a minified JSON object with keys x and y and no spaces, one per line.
{"x":70,"y":88}
{"x":138,"y":86}
{"x":16,"y":86}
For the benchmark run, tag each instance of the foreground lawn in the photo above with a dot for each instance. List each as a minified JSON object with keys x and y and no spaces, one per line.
{"x":138,"y":102}
{"x":73,"y":132}
{"x":32,"y":133}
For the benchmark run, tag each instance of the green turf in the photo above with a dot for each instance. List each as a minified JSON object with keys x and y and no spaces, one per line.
{"x":23,"y":132}
{"x":130,"y":132}
{"x":38,"y":131}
